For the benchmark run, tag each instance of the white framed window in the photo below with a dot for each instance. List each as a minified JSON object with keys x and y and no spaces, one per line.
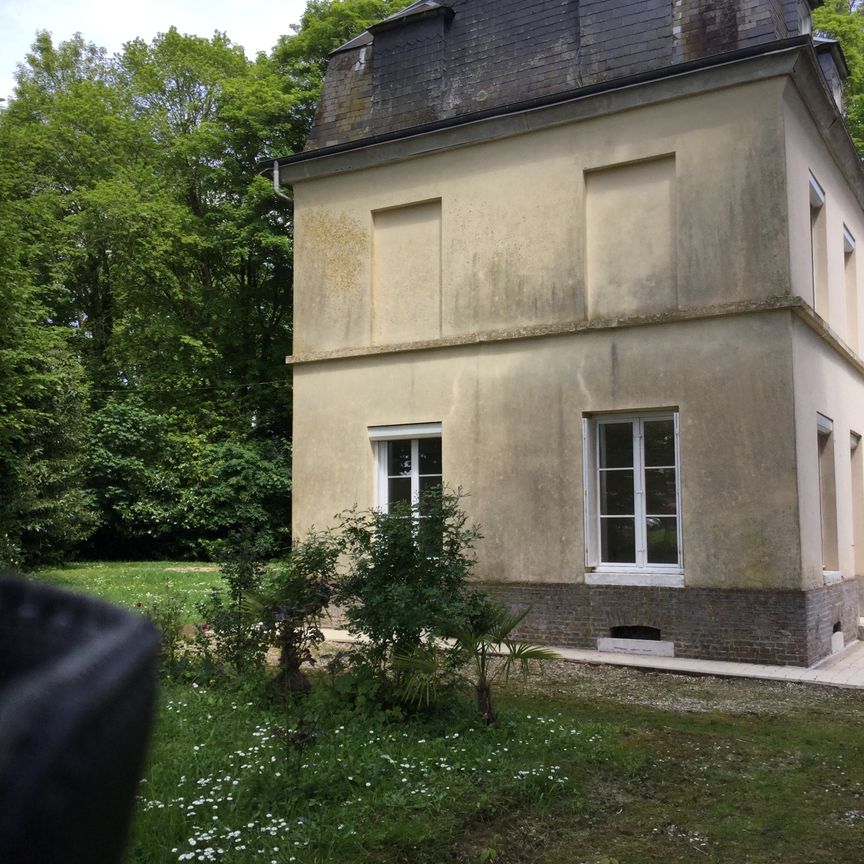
{"x":409,"y":463}
{"x":633,"y":499}
{"x":850,"y":277}
{"x":828,"y":499}
{"x":818,"y":247}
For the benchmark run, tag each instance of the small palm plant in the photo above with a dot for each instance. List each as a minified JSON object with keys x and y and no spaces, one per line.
{"x":478,"y":651}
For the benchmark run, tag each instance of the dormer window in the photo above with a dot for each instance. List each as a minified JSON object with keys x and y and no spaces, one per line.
{"x":805,"y":17}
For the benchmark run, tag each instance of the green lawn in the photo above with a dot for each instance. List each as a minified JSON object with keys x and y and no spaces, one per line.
{"x":589,"y":765}
{"x":564,"y":779}
{"x":131,"y":582}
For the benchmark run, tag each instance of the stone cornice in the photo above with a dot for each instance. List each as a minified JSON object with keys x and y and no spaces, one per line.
{"x":747,"y":307}
{"x":820,"y":327}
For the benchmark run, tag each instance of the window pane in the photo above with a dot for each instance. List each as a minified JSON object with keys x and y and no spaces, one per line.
{"x":616,"y":493}
{"x":430,"y":455}
{"x":617,"y":541}
{"x":659,"y":442}
{"x":430,"y":484}
{"x":398,"y":458}
{"x":662,"y":534}
{"x":616,"y":445}
{"x":660,"y":491}
{"x":399,"y":491}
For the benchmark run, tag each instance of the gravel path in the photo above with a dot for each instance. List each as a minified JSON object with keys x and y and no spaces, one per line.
{"x":693,"y":693}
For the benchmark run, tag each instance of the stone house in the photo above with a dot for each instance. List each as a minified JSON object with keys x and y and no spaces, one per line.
{"x":595,"y":262}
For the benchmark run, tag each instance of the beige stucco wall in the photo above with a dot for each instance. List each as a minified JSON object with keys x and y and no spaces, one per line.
{"x":513,"y":230}
{"x":826,"y":383}
{"x":512,"y":414}
{"x":806,"y":153}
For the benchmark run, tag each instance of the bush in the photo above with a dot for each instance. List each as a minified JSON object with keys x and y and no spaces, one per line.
{"x":163,"y":488}
{"x":295,"y":597}
{"x":406,"y":571}
{"x":167,"y":613}
{"x":232,"y":639}
{"x":479,"y":650}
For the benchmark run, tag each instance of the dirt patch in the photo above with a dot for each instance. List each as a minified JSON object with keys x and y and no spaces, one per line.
{"x":204,"y":568}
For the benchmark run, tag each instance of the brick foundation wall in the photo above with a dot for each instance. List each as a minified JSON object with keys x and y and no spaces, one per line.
{"x":777,"y":627}
{"x":825,"y":607}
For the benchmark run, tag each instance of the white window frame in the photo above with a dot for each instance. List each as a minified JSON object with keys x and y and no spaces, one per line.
{"x":381,"y":436}
{"x":817,"y":193}
{"x":638,"y":572}
{"x":828,"y":503}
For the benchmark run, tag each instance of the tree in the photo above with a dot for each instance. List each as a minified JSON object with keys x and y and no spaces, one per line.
{"x":154,"y":266}
{"x":153,"y":242}
{"x":44,"y":509}
{"x":164,"y":489}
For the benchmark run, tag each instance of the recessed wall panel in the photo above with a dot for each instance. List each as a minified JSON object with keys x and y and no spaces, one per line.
{"x":630,"y":222}
{"x":406,"y":273}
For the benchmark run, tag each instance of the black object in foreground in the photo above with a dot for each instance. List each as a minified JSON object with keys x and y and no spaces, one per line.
{"x":77,"y":682}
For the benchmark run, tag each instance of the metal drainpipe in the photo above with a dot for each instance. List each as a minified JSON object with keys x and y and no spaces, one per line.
{"x":276,"y":185}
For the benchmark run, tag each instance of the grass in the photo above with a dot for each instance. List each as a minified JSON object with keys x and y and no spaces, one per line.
{"x":225,"y":777}
{"x":720,"y":788}
{"x":132,"y":582}
{"x":589,"y":765}
{"x":583,"y":782}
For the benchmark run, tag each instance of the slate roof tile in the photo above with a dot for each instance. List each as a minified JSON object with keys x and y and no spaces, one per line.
{"x":452,"y":57}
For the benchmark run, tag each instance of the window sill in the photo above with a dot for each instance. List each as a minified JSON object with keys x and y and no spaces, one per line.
{"x":645,"y":579}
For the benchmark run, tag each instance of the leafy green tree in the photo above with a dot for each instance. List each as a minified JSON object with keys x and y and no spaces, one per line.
{"x":243,"y":486}
{"x":163,"y":489}
{"x":154,"y":242}
{"x":44,"y":509}
{"x":129,"y":468}
{"x":843,"y":20}
{"x":229,"y":304}
{"x":155,"y":265}
{"x":70,"y":129}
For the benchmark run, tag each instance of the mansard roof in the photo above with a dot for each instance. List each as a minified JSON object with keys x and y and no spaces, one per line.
{"x":437,"y":60}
